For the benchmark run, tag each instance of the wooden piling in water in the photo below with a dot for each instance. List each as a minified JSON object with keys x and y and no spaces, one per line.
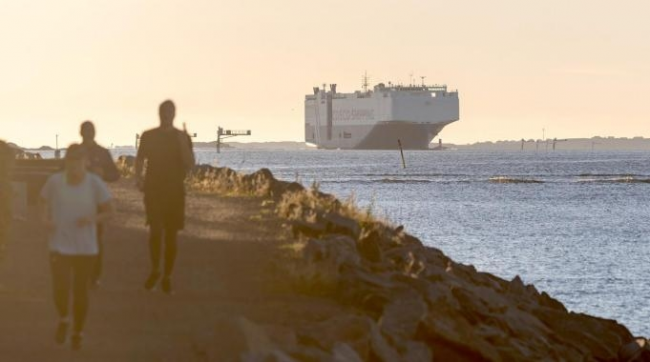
{"x":399,"y":143}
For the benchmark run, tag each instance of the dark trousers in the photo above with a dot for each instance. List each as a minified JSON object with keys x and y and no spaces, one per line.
{"x":71,"y":275}
{"x":99,"y":261}
{"x":156,"y":236}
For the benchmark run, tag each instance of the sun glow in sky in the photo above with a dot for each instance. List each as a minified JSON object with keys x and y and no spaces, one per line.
{"x":577,"y":68}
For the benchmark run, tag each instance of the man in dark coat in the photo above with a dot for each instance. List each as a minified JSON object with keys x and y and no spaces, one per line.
{"x":168,"y":154}
{"x":100,"y":162}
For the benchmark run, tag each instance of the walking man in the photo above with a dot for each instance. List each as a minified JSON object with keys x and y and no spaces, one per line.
{"x":168,"y":154}
{"x":74,"y":202}
{"x":100,"y":162}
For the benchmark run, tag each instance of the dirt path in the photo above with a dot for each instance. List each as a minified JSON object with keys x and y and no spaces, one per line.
{"x":222,"y":271}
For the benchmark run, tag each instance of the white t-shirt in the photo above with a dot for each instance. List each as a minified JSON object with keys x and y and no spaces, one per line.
{"x":67,"y":204}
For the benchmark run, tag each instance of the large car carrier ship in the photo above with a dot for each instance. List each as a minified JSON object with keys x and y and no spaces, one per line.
{"x":378,"y":118}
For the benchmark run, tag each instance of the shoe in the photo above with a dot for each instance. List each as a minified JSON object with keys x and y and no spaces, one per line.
{"x":77,"y":338}
{"x":61,"y":333}
{"x":167,"y":285}
{"x":151,"y":282}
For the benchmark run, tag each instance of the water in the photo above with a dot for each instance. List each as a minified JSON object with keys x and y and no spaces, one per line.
{"x":582,"y":233}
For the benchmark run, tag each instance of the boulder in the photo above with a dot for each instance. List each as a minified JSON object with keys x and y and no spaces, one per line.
{"x":338,"y":224}
{"x":344,"y":353}
{"x":352,"y":330}
{"x":369,"y":247}
{"x":401,"y":317}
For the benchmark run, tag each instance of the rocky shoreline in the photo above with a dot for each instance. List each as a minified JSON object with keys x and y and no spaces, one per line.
{"x":408,"y":302}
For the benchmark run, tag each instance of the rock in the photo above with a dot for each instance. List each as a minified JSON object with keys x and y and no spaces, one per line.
{"x":452,"y":338}
{"x":314,"y":251}
{"x":304,"y":353}
{"x":272,"y":356}
{"x":599,"y":337}
{"x":279,"y":188}
{"x":517,"y":286}
{"x":341,"y":250}
{"x":349,"y":329}
{"x":338,"y":224}
{"x":335,"y":250}
{"x":637,"y":350}
{"x":416,"y":352}
{"x":381,"y":350}
{"x":344,"y":353}
{"x":406,"y":260}
{"x":546,"y":301}
{"x":369,"y":247}
{"x":236,"y":337}
{"x":402,"y":316}
{"x":310,"y":229}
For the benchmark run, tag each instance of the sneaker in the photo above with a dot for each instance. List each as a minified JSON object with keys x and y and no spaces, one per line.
{"x":61,"y":333}
{"x":151,"y":282}
{"x":167,"y":285}
{"x":77,"y":338}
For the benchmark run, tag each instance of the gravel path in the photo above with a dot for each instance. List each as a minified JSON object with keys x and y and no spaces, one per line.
{"x":223,"y":270}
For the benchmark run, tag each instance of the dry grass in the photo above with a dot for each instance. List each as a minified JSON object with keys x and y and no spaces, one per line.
{"x":306,"y":205}
{"x":223,"y":182}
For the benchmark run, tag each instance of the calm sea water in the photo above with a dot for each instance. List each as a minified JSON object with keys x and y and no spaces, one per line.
{"x":581,"y":233}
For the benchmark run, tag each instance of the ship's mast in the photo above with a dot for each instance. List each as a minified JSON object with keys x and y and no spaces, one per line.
{"x":365,"y":82}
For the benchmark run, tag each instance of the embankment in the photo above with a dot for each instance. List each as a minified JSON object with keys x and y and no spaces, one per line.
{"x":271,"y":271}
{"x":406,"y":301}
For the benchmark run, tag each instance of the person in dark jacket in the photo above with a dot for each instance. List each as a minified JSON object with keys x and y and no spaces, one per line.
{"x":168,"y":154}
{"x":100,"y":162}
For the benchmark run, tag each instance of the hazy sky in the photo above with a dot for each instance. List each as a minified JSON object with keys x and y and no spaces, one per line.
{"x":577,"y":68}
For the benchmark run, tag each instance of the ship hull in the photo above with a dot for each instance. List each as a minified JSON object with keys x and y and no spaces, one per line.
{"x":382,"y":136}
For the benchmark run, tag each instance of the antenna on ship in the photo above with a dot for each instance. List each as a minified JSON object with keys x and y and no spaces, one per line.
{"x":365,"y":81}
{"x":422,"y":77}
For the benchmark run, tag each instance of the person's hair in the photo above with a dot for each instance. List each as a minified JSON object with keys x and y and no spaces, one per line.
{"x":74,"y":152}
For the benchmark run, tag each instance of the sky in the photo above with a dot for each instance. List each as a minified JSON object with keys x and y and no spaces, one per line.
{"x":573,"y":68}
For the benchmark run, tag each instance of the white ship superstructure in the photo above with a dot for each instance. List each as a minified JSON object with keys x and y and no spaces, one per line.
{"x":376,"y":119}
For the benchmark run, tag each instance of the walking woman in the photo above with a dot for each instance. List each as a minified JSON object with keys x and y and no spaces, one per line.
{"x":74,"y":201}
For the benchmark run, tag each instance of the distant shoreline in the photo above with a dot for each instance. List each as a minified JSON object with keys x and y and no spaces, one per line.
{"x":573,"y":144}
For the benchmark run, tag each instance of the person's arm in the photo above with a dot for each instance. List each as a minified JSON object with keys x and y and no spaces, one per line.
{"x":45,"y":217}
{"x":187,"y":150}
{"x":106,"y":210}
{"x":139,"y":163}
{"x":103,"y":200}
